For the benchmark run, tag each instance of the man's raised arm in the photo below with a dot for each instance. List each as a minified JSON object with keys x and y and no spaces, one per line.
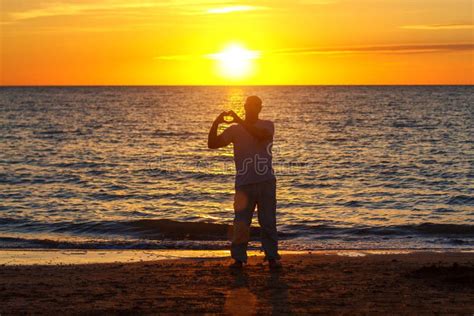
{"x":259,"y":133}
{"x":215,"y":141}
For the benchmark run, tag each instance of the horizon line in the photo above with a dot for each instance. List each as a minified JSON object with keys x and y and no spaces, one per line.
{"x":233,"y":85}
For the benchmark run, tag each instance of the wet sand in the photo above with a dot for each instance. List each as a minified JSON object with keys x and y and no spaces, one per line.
{"x":408,"y":283}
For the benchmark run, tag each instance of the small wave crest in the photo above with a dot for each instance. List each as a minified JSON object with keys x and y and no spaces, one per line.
{"x":8,"y":242}
{"x":423,"y":229}
{"x":461,"y":200}
{"x":148,"y":229}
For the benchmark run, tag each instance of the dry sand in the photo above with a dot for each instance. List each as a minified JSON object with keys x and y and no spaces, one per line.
{"x":414,"y":283}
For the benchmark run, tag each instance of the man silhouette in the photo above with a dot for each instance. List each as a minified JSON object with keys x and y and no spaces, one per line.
{"x":255,"y":183}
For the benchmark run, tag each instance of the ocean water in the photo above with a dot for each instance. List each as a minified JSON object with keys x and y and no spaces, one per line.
{"x":129,"y":167}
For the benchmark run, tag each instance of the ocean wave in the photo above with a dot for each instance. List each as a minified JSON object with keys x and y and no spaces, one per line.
{"x":85,"y":164}
{"x":167,"y":229}
{"x":46,"y":243}
{"x":171,"y":234}
{"x":423,"y":229}
{"x":149,"y":229}
{"x":169,"y":133}
{"x":461,"y":200}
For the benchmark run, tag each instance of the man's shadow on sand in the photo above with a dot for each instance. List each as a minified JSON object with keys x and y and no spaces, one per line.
{"x":241,"y":299}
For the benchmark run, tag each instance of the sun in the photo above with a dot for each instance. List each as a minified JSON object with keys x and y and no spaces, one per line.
{"x":235,"y":61}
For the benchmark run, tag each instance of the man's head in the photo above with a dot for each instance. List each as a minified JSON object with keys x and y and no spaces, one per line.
{"x":253,"y":106}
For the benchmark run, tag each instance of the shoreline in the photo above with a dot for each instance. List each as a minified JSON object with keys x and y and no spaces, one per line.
{"x":26,"y":257}
{"x":390,"y":283}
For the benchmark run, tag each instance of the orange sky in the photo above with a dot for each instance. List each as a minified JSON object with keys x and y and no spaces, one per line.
{"x":120,"y":42}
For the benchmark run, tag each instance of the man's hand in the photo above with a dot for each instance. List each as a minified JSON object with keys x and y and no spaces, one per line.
{"x":220,"y":118}
{"x":235,"y":118}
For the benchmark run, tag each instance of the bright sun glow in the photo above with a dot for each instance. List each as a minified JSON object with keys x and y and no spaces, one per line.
{"x":235,"y":61}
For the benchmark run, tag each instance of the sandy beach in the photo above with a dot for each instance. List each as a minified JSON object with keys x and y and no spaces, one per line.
{"x":334,"y":283}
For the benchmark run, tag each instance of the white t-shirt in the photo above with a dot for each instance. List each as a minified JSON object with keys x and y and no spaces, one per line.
{"x":253,"y":159}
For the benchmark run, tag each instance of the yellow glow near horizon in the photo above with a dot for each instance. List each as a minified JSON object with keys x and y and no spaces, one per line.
{"x":231,"y":9}
{"x":180,"y":42}
{"x":235,"y":61}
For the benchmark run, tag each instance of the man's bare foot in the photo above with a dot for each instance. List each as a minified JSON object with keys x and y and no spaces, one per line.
{"x":274,"y":264}
{"x":237,"y":265}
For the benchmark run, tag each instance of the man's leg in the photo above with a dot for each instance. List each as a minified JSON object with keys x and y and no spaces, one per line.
{"x":244,"y":205}
{"x":266,"y":202}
